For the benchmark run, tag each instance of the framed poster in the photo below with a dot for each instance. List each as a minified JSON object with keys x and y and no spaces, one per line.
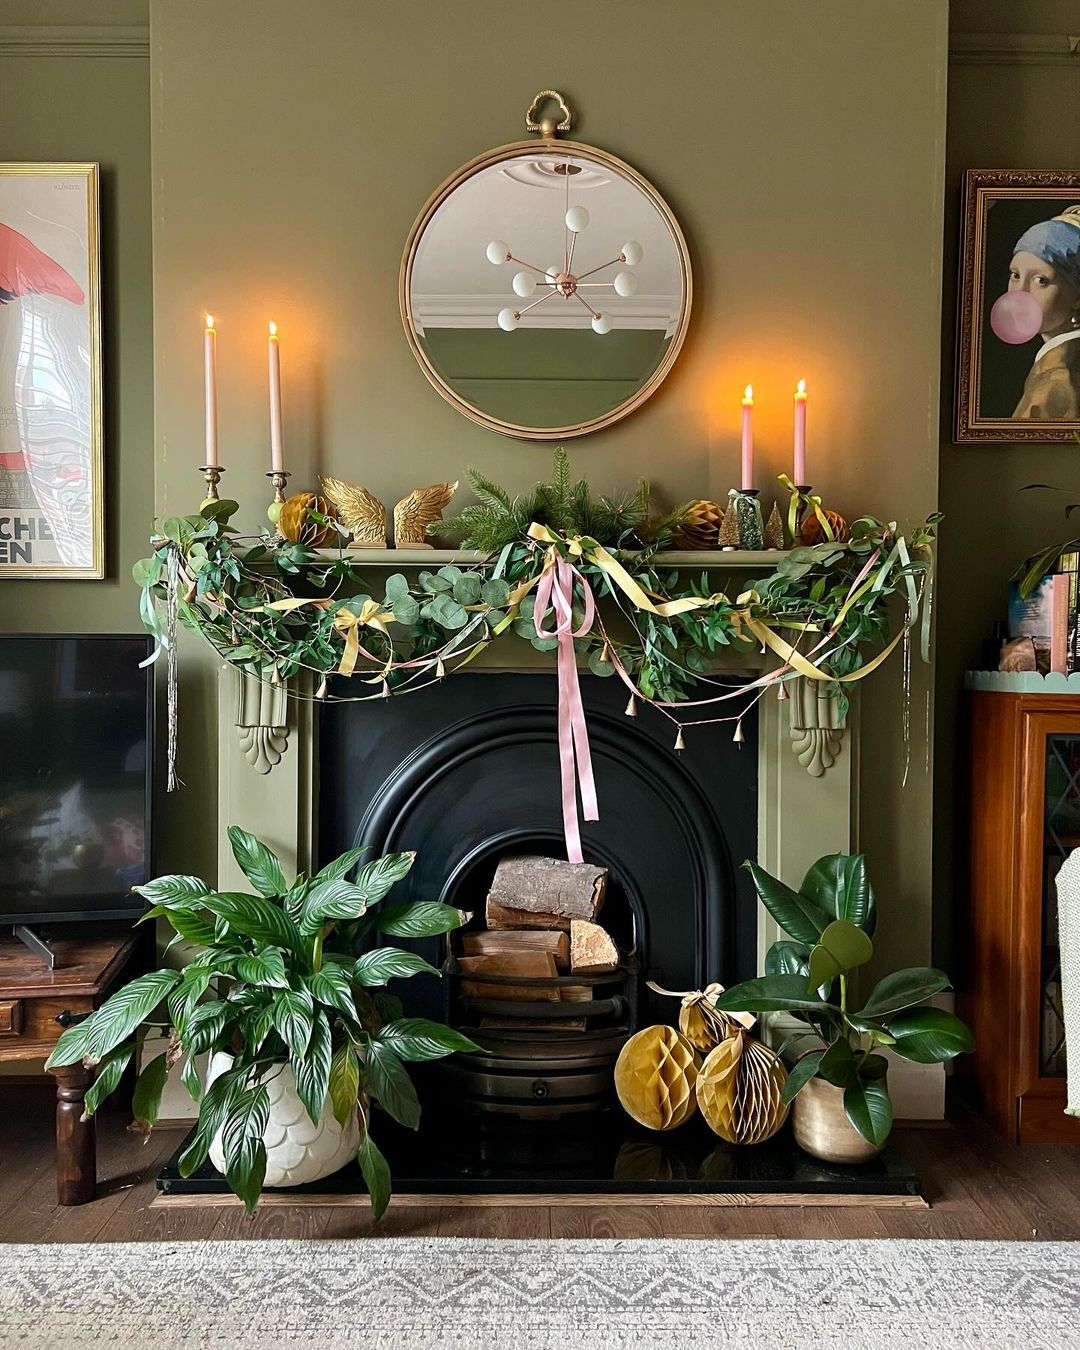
{"x":1018,"y":363}
{"x":51,"y":479}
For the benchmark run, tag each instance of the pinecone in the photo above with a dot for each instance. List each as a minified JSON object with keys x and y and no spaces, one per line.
{"x":700,"y":526}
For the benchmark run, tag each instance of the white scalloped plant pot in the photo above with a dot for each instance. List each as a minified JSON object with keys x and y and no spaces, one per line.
{"x":296,"y":1150}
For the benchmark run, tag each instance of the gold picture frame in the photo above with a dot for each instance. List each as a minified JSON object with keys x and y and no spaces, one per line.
{"x":992,"y":398}
{"x":507,"y":154}
{"x":52,"y":510}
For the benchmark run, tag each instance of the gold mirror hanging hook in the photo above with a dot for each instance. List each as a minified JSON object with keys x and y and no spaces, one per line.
{"x":547,"y":126}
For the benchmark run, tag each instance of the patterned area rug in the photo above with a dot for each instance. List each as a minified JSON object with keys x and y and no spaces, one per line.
{"x":465,"y":1294}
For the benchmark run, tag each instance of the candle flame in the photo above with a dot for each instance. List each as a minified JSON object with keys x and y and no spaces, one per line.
{"x":748,"y":393}
{"x":273,"y":328}
{"x":800,"y":388}
{"x":210,"y":321}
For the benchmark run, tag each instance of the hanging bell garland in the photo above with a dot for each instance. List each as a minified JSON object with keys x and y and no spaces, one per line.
{"x":740,"y":1090}
{"x":655,"y":1077}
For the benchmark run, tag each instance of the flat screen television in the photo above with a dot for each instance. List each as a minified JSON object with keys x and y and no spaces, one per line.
{"x":76,"y":734}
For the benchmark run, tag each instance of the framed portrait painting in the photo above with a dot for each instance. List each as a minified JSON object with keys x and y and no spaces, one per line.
{"x":1018,"y":364}
{"x":51,"y":479}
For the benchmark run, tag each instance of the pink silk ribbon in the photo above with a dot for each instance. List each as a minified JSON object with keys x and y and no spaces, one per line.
{"x":555,"y":593}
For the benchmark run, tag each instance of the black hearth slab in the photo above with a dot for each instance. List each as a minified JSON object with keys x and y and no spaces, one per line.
{"x":608,"y":1156}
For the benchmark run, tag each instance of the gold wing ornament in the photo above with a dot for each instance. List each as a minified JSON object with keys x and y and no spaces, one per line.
{"x":421,"y":508}
{"x":358,"y":511}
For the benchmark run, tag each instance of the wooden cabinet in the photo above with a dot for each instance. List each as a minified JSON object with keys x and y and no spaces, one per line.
{"x":1025,"y":819}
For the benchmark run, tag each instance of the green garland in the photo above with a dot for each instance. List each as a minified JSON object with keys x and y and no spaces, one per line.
{"x":279,"y":610}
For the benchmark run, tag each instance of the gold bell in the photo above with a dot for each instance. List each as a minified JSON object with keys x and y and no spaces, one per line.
{"x":605,"y":654}
{"x":680,"y":744}
{"x":781,"y":693}
{"x":386,"y":688}
{"x":631,"y":708}
{"x":440,"y":669}
{"x":738,"y":738}
{"x":321,"y":691}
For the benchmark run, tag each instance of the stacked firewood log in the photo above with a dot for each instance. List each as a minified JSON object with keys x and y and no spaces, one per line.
{"x":541,"y":924}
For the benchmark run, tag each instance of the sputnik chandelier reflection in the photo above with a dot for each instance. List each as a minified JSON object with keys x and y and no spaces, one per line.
{"x":562,"y":280}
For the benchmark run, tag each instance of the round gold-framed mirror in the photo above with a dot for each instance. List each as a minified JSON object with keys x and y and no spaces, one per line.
{"x":546,"y":288}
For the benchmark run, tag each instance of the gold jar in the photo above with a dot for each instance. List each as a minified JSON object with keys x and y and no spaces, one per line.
{"x":823,"y":1130}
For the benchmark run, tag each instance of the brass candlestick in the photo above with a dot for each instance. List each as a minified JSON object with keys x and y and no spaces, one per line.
{"x":279,"y":478}
{"x":212,"y":474}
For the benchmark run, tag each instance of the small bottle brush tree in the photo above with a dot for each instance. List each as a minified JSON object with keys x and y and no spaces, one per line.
{"x":284,"y":976}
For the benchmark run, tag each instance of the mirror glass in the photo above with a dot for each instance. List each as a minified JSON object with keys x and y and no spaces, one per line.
{"x":546,"y":290}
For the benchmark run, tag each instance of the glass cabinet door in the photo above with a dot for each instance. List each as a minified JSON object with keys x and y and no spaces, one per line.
{"x":1061,"y":834}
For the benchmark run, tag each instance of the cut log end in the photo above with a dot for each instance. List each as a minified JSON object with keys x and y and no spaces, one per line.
{"x":592,"y":951}
{"x":549,"y":886}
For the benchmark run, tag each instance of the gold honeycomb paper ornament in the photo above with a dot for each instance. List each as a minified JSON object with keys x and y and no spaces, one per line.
{"x":700,"y":526}
{"x":703,"y":1024}
{"x":655,"y":1076}
{"x":299,"y":527}
{"x":739,"y":1090}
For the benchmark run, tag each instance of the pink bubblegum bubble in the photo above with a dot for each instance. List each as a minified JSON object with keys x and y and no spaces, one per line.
{"x":1016,"y":317}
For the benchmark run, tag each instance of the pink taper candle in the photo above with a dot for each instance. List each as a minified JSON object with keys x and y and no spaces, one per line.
{"x":210,"y":372}
{"x":748,"y":438}
{"x":277,"y":451}
{"x":800,"y":435}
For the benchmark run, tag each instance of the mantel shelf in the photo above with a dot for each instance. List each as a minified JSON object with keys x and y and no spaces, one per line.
{"x":437,"y":557}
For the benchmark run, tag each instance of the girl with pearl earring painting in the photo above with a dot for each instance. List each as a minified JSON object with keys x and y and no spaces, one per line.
{"x":1043,"y":299}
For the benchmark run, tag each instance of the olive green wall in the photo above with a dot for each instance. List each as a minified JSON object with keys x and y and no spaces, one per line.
{"x":90,"y":107}
{"x":1009,"y":107}
{"x":802,"y":148}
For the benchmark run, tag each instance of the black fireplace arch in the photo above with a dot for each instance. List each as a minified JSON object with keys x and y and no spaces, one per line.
{"x":469,"y":772}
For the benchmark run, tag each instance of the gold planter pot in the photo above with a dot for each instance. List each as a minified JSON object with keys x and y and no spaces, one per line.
{"x":822,"y":1129}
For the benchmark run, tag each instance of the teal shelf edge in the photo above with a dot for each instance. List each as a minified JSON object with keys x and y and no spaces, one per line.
{"x":1021,"y":682}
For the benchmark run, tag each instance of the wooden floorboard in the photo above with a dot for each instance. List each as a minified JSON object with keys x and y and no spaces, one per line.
{"x":977,"y":1187}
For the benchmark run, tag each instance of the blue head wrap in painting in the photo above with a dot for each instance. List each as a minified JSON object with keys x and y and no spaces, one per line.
{"x":1056,"y":242}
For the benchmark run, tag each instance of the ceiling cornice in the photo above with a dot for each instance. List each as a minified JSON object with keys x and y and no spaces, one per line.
{"x":81,"y":40}
{"x":1014,"y":49}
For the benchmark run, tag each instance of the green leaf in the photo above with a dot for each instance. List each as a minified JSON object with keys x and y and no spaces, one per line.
{"x":376,"y":1174}
{"x":467,"y":589}
{"x":930,"y":1035}
{"x":193,"y":984}
{"x":376,"y":878}
{"x":406,"y":609}
{"x":837,"y":1064}
{"x":838,"y":884}
{"x":800,"y":1074}
{"x":391,"y":1086}
{"x":788,"y":958}
{"x":417,"y":1038}
{"x":424,"y":918}
{"x":221,"y":509}
{"x":243,"y":1146}
{"x":193,"y":927}
{"x":344,"y":1085}
{"x":220,"y":1098}
{"x":110,"y":1071}
{"x":313,"y":1072}
{"x":294,"y":1013}
{"x":257,"y":863}
{"x":171,"y":890}
{"x":397,"y":586}
{"x":799,"y":917}
{"x":342,"y":865}
{"x":903,"y":989}
{"x":868,"y":1108}
{"x":388,"y":963}
{"x":771,"y":993}
{"x":843,"y":947}
{"x":334,"y":898}
{"x":331,"y":986}
{"x":147,"y":571}
{"x":495,"y":592}
{"x":189,"y":1076}
{"x":150,"y":1084}
{"x":266,"y":967}
{"x":205,"y":1025}
{"x":256,"y":918}
{"x":599,"y":665}
{"x":114,"y":1021}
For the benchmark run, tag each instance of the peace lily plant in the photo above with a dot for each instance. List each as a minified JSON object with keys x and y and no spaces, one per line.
{"x":829,"y":924}
{"x":286,"y":976}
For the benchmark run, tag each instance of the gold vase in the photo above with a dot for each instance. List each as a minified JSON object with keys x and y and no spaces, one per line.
{"x":823,"y":1130}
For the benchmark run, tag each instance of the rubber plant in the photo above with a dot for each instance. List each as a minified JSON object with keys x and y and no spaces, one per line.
{"x":829,"y":924}
{"x":287,"y":975}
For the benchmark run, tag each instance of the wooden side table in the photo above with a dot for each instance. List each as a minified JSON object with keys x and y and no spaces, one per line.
{"x":36,"y":1004}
